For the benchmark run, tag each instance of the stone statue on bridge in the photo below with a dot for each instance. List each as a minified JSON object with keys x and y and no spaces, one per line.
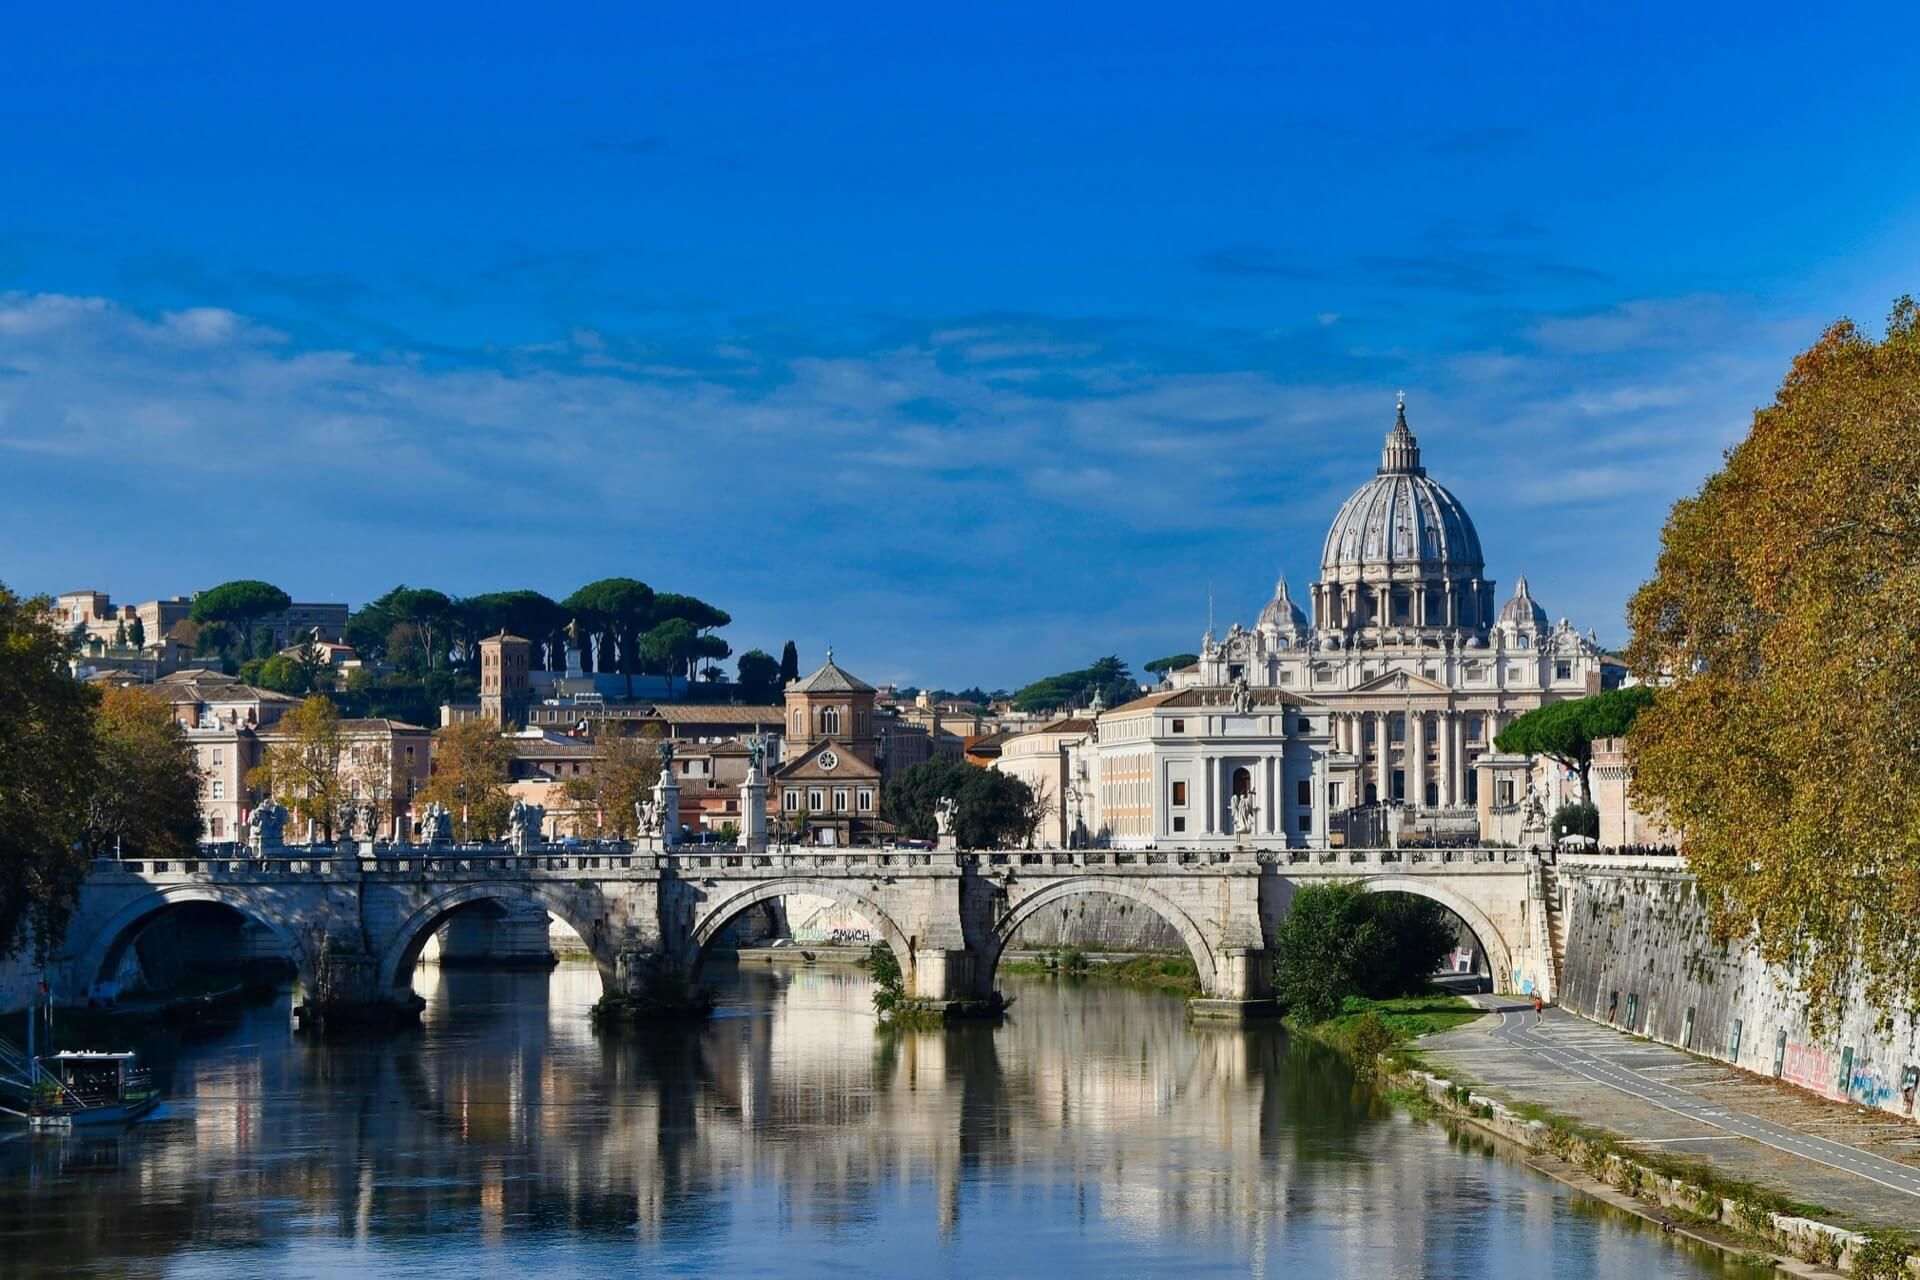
{"x":524,"y":823}
{"x":1246,"y":813}
{"x":945,"y":811}
{"x":436,"y":824}
{"x":648,"y":815}
{"x":264,"y":826}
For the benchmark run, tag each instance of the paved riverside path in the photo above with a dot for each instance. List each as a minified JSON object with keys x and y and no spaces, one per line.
{"x":1830,"y":1154}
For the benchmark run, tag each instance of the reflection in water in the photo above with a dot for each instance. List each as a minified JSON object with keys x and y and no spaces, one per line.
{"x":1094,"y":1133}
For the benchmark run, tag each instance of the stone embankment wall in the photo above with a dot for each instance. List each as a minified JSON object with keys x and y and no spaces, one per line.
{"x":1638,"y":956}
{"x":1096,"y":922}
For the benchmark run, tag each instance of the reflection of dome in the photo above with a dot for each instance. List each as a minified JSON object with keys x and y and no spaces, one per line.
{"x":1400,"y":518}
{"x":1282,"y":612}
{"x":1522,"y":611}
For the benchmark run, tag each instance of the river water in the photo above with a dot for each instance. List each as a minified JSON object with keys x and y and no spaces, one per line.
{"x":1093,"y":1133}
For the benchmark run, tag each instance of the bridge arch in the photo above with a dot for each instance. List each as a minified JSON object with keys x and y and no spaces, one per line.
{"x":1499,"y":954}
{"x":402,"y":952}
{"x":723,"y":912}
{"x":1205,"y":961}
{"x":104,"y":947}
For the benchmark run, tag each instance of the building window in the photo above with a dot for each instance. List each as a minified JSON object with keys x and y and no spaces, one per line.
{"x":216,"y":828}
{"x":1433,"y":729}
{"x":409,"y":753}
{"x":219,"y":790}
{"x":791,"y":801}
{"x":1179,"y":824}
{"x":830,"y":720}
{"x":863,"y":799}
{"x":1398,"y":728}
{"x":1304,"y":725}
{"x":1336,"y":792}
{"x":1563,"y":671}
{"x":799,"y":723}
{"x":1303,"y":793}
{"x":1306,"y":823}
{"x":216,"y":755}
{"x":1286,"y":677}
{"x":1180,"y":794}
{"x":816,"y":799}
{"x":1503,"y":792}
{"x":1179,"y":726}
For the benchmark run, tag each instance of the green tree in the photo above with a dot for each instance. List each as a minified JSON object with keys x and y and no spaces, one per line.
{"x":1108,"y":677}
{"x":146,"y":793}
{"x":759,"y":674}
{"x":710,"y":649}
{"x":430,"y":613}
{"x":995,"y":808}
{"x":703,"y":616}
{"x":1322,"y":948}
{"x":120,"y":636}
{"x":1783,"y":612}
{"x":1338,"y":940}
{"x":48,"y":760}
{"x":1566,"y":731}
{"x":789,"y":665}
{"x":617,"y":612}
{"x":137,"y":634}
{"x":240,"y":604}
{"x":278,"y":673}
{"x":369,"y":626}
{"x":522,"y":613}
{"x":1576,"y":818}
{"x":1172,"y":662}
{"x":669,"y":647}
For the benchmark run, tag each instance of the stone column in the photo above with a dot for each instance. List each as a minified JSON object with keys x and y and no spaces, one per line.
{"x":1206,"y":796}
{"x":1456,"y":747}
{"x":1416,"y":757}
{"x":1445,"y":758}
{"x":1383,"y":762}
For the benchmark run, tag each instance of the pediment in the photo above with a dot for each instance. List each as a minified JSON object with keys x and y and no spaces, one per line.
{"x":1401,"y":682}
{"x":813,"y":766}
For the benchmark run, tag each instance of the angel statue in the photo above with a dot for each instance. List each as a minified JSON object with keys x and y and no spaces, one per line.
{"x":944,"y":813}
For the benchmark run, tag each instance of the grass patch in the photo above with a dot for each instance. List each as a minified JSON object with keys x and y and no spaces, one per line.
{"x":1407,"y":1017}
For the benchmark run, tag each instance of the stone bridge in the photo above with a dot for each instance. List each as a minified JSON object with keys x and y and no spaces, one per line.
{"x":354,"y":924}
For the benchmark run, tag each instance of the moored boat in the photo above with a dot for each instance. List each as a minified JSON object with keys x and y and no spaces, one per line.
{"x":79,"y":1089}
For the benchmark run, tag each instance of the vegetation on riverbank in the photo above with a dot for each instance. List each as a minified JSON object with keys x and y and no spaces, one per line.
{"x":1172,"y":972}
{"x":891,"y":1003}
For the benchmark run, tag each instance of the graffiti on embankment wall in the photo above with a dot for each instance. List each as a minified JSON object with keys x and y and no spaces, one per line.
{"x":1639,"y":956}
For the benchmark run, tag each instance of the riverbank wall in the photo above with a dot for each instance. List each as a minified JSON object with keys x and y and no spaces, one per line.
{"x":1639,"y":957}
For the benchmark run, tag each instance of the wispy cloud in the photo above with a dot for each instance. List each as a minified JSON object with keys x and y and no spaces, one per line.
{"x":1069,"y":466}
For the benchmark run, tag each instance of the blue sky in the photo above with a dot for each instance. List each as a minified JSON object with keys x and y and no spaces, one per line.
{"x":975,"y":343}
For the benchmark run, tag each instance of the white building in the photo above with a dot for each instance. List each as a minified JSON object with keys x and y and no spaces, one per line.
{"x":1373,"y":711}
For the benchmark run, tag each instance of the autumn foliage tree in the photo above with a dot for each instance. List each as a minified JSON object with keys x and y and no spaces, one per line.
{"x":1785,"y":611}
{"x":306,"y":769}
{"x":146,"y":794}
{"x":470,"y":764}
{"x":624,"y":775}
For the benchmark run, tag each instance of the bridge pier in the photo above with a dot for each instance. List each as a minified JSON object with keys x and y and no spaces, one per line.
{"x":346,"y":991}
{"x":1243,"y":978}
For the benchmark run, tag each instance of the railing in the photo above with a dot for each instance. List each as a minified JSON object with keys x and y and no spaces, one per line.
{"x":496,"y":861}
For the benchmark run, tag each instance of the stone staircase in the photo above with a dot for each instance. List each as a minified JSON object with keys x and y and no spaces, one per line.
{"x":1556,"y":921}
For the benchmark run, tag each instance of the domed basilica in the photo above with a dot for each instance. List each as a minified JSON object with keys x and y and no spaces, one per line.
{"x":1389,"y":685}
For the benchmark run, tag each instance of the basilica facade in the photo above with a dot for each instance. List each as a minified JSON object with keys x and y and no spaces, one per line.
{"x":1379,"y":697}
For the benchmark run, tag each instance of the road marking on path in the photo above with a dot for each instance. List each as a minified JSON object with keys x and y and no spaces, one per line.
{"x":1821,"y":1151}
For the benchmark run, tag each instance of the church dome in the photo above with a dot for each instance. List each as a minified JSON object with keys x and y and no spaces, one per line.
{"x":1402,"y":518}
{"x":1281,"y":612}
{"x":1523,"y":610}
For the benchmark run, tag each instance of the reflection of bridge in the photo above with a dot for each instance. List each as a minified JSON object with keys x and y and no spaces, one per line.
{"x":354,"y":924}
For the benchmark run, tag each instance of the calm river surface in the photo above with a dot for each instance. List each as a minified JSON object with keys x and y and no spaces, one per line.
{"x":1094,"y":1133}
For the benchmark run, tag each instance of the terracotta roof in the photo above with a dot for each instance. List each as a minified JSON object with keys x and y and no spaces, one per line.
{"x":717,"y":713}
{"x":830,"y":679}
